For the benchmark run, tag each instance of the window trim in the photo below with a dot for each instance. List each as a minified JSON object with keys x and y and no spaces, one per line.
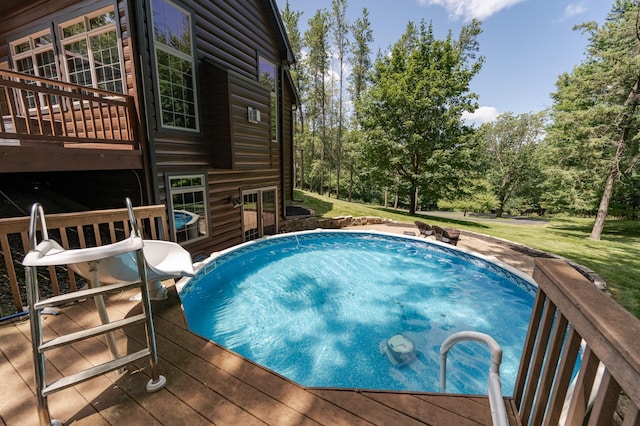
{"x":273,"y":94}
{"x":60,"y":42}
{"x":170,"y":208}
{"x":174,"y":52}
{"x":32,"y":53}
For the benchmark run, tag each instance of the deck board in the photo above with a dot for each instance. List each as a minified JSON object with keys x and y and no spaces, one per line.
{"x":206,"y":384}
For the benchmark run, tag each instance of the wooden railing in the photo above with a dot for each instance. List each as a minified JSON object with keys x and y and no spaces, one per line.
{"x":71,"y":230}
{"x":575,"y":323}
{"x":39,"y":110}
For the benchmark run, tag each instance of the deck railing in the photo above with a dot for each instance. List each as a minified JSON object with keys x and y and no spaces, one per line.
{"x":71,"y":230}
{"x":574,"y":322}
{"x":37,"y":110}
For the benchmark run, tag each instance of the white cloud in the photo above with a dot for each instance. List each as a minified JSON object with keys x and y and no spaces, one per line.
{"x":574,"y":9}
{"x":481,"y":115}
{"x":470,"y":9}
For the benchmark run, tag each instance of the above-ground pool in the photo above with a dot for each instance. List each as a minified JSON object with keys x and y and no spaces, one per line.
{"x":324,"y":308}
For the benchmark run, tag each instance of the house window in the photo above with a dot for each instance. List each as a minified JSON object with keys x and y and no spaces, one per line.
{"x":268,"y":75}
{"x":175,"y":65}
{"x":187,"y":195}
{"x":91,"y":53}
{"x":35,"y":55}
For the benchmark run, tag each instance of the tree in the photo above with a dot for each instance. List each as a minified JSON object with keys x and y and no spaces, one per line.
{"x":340,"y":33}
{"x":595,"y":114}
{"x":359,"y":78}
{"x":291,"y":19}
{"x":414,"y":107}
{"x":316,"y":38}
{"x":511,"y":143}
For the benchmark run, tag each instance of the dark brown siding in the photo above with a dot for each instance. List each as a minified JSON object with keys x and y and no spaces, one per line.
{"x":235,"y":154}
{"x":287,"y":143}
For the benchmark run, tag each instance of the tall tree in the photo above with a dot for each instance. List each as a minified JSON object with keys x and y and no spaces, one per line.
{"x":360,"y":61}
{"x":511,"y":143}
{"x":340,"y":34}
{"x":316,"y":38}
{"x":595,"y":114}
{"x":414,"y":108}
{"x":291,"y":21}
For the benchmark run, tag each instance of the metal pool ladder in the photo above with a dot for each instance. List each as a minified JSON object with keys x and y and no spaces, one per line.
{"x":496,"y":401}
{"x":49,"y":253}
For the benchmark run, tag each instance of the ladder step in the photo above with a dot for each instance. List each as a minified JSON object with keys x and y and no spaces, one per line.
{"x":92,"y":372}
{"x":90,"y":332}
{"x":83,"y":294}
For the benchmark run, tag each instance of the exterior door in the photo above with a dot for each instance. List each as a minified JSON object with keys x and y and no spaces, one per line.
{"x":259,"y":213}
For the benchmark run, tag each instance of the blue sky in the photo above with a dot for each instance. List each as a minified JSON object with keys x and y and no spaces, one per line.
{"x":526,"y":43}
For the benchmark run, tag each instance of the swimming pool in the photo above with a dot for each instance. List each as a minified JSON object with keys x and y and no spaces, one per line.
{"x":320,"y":308}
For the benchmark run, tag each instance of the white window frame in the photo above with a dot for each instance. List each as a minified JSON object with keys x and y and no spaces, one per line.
{"x":199,"y":229}
{"x":86,"y":36}
{"x":274,"y":99}
{"x":169,"y":50}
{"x":32,"y":53}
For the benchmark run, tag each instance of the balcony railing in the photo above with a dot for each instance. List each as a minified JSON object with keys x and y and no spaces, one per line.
{"x":573,"y":323}
{"x":43,"y":111}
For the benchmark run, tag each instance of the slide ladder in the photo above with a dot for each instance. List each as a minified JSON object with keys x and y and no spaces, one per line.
{"x":49,"y":253}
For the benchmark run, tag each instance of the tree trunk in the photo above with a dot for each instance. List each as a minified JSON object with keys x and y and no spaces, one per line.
{"x":350,"y":180}
{"x":631,"y":103}
{"x":598,"y":226}
{"x":412,"y":202}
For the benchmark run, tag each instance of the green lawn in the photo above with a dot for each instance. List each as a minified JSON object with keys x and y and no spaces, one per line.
{"x":616,"y":258}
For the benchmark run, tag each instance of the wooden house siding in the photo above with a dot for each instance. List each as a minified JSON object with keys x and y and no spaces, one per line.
{"x":287,"y":142}
{"x":235,"y":154}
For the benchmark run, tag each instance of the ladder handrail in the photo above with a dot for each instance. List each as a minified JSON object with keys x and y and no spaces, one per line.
{"x":37,"y":211}
{"x":496,"y":401}
{"x":33,"y":259}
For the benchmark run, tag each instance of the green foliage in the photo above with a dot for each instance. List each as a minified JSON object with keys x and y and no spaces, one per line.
{"x":412,"y":112}
{"x":360,"y":60}
{"x":477,"y":197}
{"x":593,"y":139}
{"x":512,"y":145}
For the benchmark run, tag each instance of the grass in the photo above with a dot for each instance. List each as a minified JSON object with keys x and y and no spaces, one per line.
{"x":616,"y":257}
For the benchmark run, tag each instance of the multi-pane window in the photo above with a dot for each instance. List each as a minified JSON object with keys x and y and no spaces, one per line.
{"x":35,"y":55}
{"x":187,"y":195}
{"x":175,"y":65}
{"x":91,"y":53}
{"x":267,"y":75}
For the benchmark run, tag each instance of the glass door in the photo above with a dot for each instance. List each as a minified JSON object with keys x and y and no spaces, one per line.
{"x":259,"y":213}
{"x":269,"y":212}
{"x":250,"y":215}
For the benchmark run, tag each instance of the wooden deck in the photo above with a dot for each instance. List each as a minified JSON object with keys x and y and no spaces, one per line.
{"x":206,"y":384}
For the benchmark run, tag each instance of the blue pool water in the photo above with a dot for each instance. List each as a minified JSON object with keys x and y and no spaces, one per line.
{"x":319,"y":307}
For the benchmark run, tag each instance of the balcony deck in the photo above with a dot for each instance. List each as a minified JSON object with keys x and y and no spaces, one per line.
{"x":48,"y":125}
{"x":206,"y":384}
